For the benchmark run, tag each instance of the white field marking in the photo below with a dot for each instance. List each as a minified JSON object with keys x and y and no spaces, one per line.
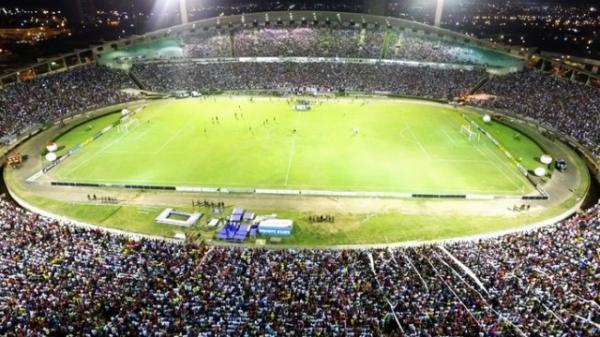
{"x":362,"y":188}
{"x":511,"y":168}
{"x":413,"y":140}
{"x":103,"y":149}
{"x":483,"y":161}
{"x":505,"y":163}
{"x":510,"y":179}
{"x":184,"y":153}
{"x":420,"y":144}
{"x":92,"y":156}
{"x":119,"y":136}
{"x":175,"y":135}
{"x":292,"y":149}
{"x":367,"y":218}
{"x":291,"y":157}
{"x":140,"y":134}
{"x":450,"y":138}
{"x":130,"y":153}
{"x":129,"y":139}
{"x":493,"y":162}
{"x":408,"y":139}
{"x":355,"y":188}
{"x":442,"y":160}
{"x":498,"y":162}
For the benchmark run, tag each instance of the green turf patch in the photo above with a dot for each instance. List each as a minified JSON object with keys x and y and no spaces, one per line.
{"x":347,"y":229}
{"x":401,"y":144}
{"x":84,"y":131}
{"x":523,"y":148}
{"x":340,"y":145}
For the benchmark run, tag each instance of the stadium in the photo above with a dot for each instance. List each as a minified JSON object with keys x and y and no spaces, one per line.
{"x":301,"y":173}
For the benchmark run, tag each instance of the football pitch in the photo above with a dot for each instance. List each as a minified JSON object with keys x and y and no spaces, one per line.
{"x":375,"y":145}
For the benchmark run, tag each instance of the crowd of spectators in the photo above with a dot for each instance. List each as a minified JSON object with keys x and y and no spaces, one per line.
{"x":48,"y":98}
{"x":324,"y":42}
{"x":393,"y":78}
{"x":56,"y":279}
{"x":540,"y":283}
{"x":59,"y":279}
{"x":547,"y":282}
{"x":410,"y":47}
{"x":207,"y":45}
{"x":567,"y":106}
{"x":309,"y":42}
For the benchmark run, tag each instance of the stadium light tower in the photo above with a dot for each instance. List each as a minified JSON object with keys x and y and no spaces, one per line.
{"x":183,"y":11}
{"x":439,"y":10}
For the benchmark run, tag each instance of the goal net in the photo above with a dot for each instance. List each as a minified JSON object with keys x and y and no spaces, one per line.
{"x":127,"y":125}
{"x":472,"y":135}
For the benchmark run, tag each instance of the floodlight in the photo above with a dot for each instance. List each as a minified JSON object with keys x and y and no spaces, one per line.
{"x":439,"y":11}
{"x":183,"y":11}
{"x":182,"y":8}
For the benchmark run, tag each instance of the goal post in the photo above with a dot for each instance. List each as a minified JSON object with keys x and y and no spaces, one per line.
{"x":127,"y":124}
{"x":472,"y":136}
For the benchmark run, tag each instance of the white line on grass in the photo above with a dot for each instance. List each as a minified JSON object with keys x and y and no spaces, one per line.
{"x":292,"y":149}
{"x":450,"y":138}
{"x":420,"y":144}
{"x":351,"y":188}
{"x":493,"y":162}
{"x":94,"y":155}
{"x":291,"y":157}
{"x":141,"y":134}
{"x":502,"y":161}
{"x":175,"y":135}
{"x":413,"y":140}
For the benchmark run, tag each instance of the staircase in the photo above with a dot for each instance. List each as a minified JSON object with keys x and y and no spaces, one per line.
{"x":136,"y":80}
{"x":484,"y":80}
{"x":386,"y":44}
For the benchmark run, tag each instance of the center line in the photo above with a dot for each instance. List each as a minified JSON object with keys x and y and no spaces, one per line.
{"x":292,"y":152}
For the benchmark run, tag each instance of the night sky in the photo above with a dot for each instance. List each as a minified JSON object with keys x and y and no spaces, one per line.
{"x":105,"y":4}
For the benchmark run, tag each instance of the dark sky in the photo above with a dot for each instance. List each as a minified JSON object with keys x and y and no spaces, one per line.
{"x":104,"y":3}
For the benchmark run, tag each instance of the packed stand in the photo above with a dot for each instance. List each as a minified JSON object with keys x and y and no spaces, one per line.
{"x":393,"y":78}
{"x":309,"y":42}
{"x":56,"y":279}
{"x":324,"y":42}
{"x":48,"y":98}
{"x":61,"y":280}
{"x":547,"y":282}
{"x":540,"y":283}
{"x":409,"y":47}
{"x":207,"y":45}
{"x":569,"y":107}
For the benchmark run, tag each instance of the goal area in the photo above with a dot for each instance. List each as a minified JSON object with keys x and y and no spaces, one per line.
{"x":472,"y":135}
{"x":127,"y":124}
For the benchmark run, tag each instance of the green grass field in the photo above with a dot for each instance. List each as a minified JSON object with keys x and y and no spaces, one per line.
{"x":402,"y":146}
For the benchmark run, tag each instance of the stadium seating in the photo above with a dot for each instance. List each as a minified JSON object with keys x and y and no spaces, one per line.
{"x":397,"y":79}
{"x":567,"y":106}
{"x":49,"y":98}
{"x":349,"y":42}
{"x":57,"y":279}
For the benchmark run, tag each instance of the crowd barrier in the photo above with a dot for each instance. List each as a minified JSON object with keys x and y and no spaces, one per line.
{"x":296,"y":192}
{"x":508,"y":155}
